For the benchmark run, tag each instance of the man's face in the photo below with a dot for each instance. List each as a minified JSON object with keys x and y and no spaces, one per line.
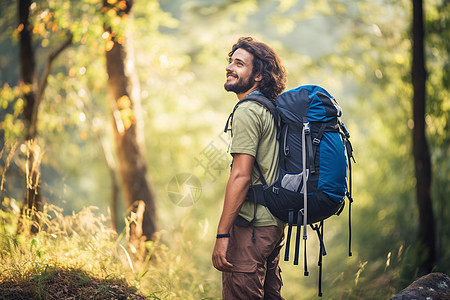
{"x":239,"y":72}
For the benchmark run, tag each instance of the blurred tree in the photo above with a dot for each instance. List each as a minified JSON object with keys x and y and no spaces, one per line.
{"x":126,"y":108}
{"x":426,"y":234}
{"x":437,"y":51}
{"x":33,"y":91}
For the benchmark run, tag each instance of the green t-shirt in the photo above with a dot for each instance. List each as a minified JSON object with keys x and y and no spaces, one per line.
{"x":254,"y":133}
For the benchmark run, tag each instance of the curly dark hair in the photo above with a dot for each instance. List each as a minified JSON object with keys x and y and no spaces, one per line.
{"x":265,"y":62}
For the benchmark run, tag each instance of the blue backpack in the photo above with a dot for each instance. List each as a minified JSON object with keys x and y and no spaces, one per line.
{"x":314,"y":149}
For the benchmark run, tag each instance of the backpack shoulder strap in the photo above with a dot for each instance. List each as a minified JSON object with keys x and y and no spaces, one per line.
{"x":269,"y":105}
{"x":259,"y":98}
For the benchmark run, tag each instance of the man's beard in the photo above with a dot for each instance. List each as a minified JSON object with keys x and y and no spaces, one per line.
{"x":240,"y":86}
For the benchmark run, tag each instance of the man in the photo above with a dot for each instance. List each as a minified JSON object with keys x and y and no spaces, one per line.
{"x":248,"y":243}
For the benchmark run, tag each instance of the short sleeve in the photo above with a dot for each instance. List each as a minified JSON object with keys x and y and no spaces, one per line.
{"x":246,"y":129}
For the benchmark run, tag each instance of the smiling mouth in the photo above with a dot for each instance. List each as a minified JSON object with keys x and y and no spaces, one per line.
{"x":231,"y":76}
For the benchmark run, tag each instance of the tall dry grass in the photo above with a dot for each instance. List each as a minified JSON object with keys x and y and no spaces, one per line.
{"x":84,"y":241}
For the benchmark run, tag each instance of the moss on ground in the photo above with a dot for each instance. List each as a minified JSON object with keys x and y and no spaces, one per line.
{"x":67,"y":284}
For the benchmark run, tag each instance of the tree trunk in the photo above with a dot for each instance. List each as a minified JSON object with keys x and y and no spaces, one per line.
{"x":426,"y":233}
{"x":33,"y":94}
{"x":33,"y":200}
{"x":125,"y":105}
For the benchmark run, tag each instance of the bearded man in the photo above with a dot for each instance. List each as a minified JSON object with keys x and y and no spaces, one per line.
{"x":249,"y":238}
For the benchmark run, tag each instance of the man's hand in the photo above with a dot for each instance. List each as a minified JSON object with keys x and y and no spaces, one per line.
{"x":237,"y":188}
{"x":219,"y":255}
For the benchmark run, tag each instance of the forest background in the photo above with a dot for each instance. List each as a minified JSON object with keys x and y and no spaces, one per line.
{"x":360,"y":51}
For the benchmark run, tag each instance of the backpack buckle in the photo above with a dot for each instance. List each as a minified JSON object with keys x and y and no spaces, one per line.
{"x":306,"y":128}
{"x":275,"y":190}
{"x":316,"y":141}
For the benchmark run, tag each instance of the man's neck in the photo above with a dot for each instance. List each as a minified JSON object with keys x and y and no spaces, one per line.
{"x":243,"y":95}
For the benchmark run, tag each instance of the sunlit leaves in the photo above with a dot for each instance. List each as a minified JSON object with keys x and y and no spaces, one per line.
{"x":12,"y":105}
{"x":115,"y":18}
{"x":109,"y":43}
{"x":126,"y":112}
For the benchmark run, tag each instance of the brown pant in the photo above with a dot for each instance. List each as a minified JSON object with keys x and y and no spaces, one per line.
{"x":256,"y":274}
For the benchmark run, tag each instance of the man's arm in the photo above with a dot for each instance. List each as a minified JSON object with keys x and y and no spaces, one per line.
{"x":237,"y":188}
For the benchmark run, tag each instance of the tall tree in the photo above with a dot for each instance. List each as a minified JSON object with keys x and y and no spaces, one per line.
{"x":125,"y":108}
{"x":426,"y":233}
{"x":28,"y":76}
{"x":33,"y":91}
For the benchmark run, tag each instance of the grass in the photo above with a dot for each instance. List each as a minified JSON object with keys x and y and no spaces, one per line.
{"x":78,"y":257}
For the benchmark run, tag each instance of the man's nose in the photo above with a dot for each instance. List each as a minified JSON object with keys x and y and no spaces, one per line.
{"x":229,"y":67}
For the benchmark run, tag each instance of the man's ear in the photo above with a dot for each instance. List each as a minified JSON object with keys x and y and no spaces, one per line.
{"x":258,"y":77}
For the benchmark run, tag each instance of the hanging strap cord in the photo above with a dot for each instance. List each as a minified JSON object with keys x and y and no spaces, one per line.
{"x":322,"y":252}
{"x":349,"y":148}
{"x":297,"y":238}
{"x":350,"y":198}
{"x":319,"y":230}
{"x":350,"y":157}
{"x":288,"y":238}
